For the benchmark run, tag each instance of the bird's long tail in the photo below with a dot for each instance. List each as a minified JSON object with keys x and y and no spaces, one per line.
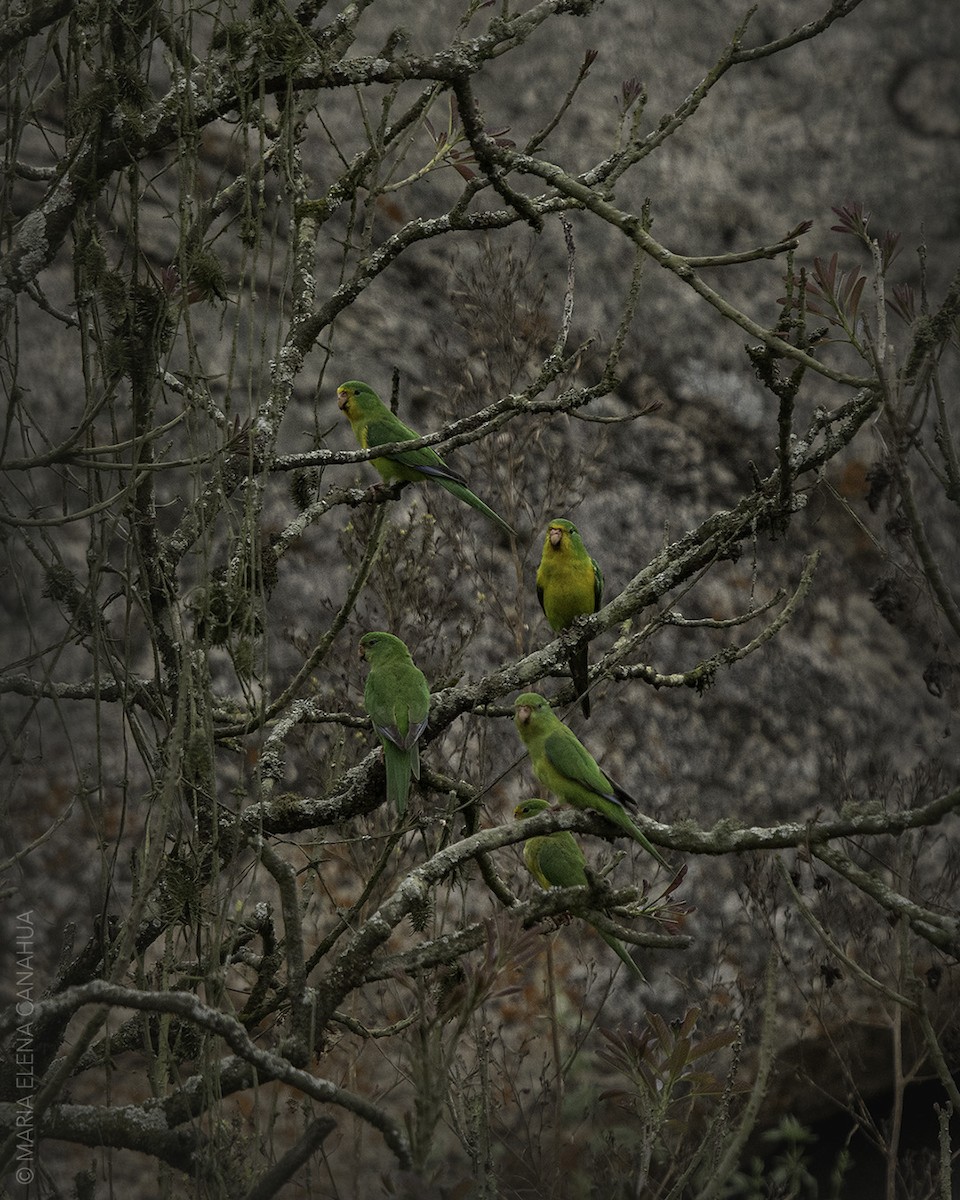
{"x":400,"y":765}
{"x":464,"y":494}
{"x":617,"y":813}
{"x":618,"y":947}
{"x":579,"y":671}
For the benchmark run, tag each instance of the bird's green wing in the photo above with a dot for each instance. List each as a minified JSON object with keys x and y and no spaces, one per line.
{"x":569,"y":758}
{"x":557,"y":861}
{"x":531,"y":857}
{"x":384,"y":427}
{"x":431,"y":466}
{"x":425,"y":463}
{"x":622,"y":796}
{"x":401,"y":755}
{"x":561,"y":860}
{"x":391,"y":731}
{"x":397,"y":700}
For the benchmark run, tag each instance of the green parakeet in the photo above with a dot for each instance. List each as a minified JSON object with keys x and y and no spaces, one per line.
{"x":375,"y":425}
{"x":397,"y":700}
{"x":556,"y":860}
{"x":565,"y":767}
{"x":569,"y":584}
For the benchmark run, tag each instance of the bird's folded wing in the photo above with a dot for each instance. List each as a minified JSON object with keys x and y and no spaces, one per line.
{"x":390,"y":730}
{"x":433,"y":470}
{"x":566,"y":755}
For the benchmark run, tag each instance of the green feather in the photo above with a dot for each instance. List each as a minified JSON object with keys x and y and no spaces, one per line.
{"x":566,"y":768}
{"x":397,"y":699}
{"x":375,"y":425}
{"x":569,"y":585}
{"x":556,"y":860}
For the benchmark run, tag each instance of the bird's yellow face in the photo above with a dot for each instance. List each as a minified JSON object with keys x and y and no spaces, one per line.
{"x":345,"y":398}
{"x":560,"y":534}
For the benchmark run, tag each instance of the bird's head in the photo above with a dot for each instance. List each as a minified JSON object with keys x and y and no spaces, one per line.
{"x":527,"y":708}
{"x":379,"y":644}
{"x":354,"y":398}
{"x":559,"y":531}
{"x":530,"y":808}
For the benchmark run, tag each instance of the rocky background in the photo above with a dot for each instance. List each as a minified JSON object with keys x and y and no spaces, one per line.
{"x":858,"y":695}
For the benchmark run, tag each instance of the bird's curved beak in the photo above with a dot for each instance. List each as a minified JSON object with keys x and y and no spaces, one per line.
{"x":361,"y":653}
{"x":524,"y":713}
{"x":343,"y":399}
{"x":556,"y":537}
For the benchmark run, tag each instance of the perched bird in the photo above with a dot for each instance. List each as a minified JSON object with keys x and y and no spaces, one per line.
{"x":375,"y":425}
{"x":397,"y":700}
{"x":556,"y":860}
{"x":564,"y":766}
{"x":569,"y":584}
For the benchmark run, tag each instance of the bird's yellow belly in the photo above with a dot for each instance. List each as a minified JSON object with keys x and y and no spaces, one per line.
{"x":567,"y":594}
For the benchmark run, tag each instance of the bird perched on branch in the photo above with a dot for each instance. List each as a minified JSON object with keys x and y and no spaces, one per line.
{"x":556,"y":860}
{"x":564,"y":766}
{"x":375,"y":425}
{"x":397,"y":700}
{"x":569,"y":585}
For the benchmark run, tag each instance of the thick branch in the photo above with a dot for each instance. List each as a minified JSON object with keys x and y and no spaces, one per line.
{"x":38,"y":15}
{"x":126,"y":1127}
{"x":258,"y":1064}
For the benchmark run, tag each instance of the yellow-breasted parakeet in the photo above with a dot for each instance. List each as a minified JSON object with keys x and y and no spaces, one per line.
{"x":375,"y":425}
{"x":569,"y":585}
{"x":566,"y":768}
{"x":397,"y":700}
{"x":556,"y":860}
